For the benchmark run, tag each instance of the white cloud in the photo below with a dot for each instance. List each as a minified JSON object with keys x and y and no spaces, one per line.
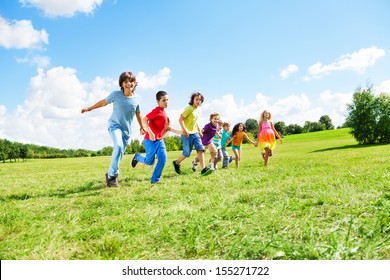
{"x":51,"y":113}
{"x":335,"y":105}
{"x":154,"y":81}
{"x":36,"y":60}
{"x":289,"y":70}
{"x":358,"y":62}
{"x":383,"y":87}
{"x":20,"y":34}
{"x":63,"y":8}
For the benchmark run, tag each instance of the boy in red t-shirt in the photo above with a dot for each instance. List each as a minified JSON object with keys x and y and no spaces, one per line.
{"x":156,"y":125}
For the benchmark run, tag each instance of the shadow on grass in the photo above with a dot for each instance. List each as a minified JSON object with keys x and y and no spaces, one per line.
{"x":346,"y":147}
{"x":83,"y":190}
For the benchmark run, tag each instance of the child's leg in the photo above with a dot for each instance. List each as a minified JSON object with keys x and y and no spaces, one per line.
{"x":151,"y":150}
{"x":197,"y":142}
{"x":161,"y":153}
{"x":236,"y":157}
{"x":266,"y":156}
{"x":118,"y":151}
{"x":225,"y":155}
{"x":200,"y":158}
{"x":187,"y":147}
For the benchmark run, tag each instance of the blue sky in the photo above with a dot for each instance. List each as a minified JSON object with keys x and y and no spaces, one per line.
{"x":298,"y":59}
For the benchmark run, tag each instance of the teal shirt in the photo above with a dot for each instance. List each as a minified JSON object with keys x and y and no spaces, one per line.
{"x":124,"y":109}
{"x":225,"y":136}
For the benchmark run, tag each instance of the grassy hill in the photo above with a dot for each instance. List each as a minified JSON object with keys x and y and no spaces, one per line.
{"x":322,"y":196}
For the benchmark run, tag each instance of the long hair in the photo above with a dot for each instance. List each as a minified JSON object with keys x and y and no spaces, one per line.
{"x":263,"y":118}
{"x":235,"y":129}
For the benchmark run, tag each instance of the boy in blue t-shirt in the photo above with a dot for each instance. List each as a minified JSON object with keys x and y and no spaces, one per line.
{"x":126,"y":106}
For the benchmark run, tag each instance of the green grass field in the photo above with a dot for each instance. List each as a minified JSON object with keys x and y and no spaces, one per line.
{"x":322,"y":196}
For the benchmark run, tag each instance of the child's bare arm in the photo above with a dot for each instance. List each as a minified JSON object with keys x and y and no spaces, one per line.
{"x":98,"y":104}
{"x":181,"y":122}
{"x":250,"y":140}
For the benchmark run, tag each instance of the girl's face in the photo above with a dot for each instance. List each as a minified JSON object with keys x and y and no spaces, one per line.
{"x":240,"y":127}
{"x":266,"y":115}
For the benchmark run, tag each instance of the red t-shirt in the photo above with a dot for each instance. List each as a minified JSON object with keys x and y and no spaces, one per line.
{"x":157,"y":122}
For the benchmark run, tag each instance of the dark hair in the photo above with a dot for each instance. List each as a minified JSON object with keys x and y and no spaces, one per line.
{"x":126,"y":76}
{"x":235,"y":128}
{"x":160,"y":94}
{"x":193,"y":97}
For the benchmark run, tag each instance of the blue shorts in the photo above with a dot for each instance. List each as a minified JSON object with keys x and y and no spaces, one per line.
{"x":191,"y":141}
{"x":234,"y":147}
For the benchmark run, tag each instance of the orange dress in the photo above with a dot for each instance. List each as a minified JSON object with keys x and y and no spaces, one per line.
{"x":267,"y":137}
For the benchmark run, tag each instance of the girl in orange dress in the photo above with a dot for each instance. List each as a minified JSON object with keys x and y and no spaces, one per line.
{"x":266,"y":138}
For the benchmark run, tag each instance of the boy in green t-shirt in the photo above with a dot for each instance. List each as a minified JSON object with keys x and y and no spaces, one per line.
{"x":192,"y":134}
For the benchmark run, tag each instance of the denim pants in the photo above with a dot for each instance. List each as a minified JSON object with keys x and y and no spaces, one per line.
{"x":154,"y":148}
{"x":120,"y":141}
{"x":225,"y":155}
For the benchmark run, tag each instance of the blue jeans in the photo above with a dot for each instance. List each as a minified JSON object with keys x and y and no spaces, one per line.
{"x":120,"y":143}
{"x":189,"y":142}
{"x":154,"y":148}
{"x":225,"y":154}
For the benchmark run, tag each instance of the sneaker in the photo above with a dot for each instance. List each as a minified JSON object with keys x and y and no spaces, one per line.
{"x":112,"y":182}
{"x":230,"y":159}
{"x":134,"y":160}
{"x":177,"y":167}
{"x":194,"y":165}
{"x":206,"y":171}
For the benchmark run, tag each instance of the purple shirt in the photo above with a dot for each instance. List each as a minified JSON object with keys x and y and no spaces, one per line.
{"x":208,"y":133}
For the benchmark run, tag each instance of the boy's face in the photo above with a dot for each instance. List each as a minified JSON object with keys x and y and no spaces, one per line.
{"x":163,"y":102}
{"x":197,"y":101}
{"x":215,"y":120}
{"x":129,"y":84}
{"x":226,"y":127}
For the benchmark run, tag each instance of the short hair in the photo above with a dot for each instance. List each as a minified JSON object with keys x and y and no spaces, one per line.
{"x":193,"y":97}
{"x":126,"y":76}
{"x":160,"y":94}
{"x":213,"y":115}
{"x":226,"y":124}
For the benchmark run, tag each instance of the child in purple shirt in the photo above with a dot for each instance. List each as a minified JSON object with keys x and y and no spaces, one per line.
{"x":208,"y":131}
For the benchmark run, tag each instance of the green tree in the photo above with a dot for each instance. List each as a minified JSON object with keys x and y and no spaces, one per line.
{"x":280,"y":128}
{"x":294,"y":129}
{"x":252,"y":126}
{"x":383,"y":127}
{"x":327,"y":121}
{"x":313,"y":126}
{"x":368,"y":117}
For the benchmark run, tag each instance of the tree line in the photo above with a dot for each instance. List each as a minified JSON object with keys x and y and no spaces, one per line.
{"x":368,"y":118}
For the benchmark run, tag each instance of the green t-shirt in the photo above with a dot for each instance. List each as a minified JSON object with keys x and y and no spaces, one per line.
{"x":190,"y":115}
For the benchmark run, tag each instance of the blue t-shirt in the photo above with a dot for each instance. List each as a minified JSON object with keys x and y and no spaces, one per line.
{"x":225,"y":137}
{"x":124,"y":109}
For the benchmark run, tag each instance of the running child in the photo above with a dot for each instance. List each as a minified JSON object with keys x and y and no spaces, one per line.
{"x":192,"y":134}
{"x":208,"y":132}
{"x":266,"y":138}
{"x":156,"y":124}
{"x":126,"y":105}
{"x":237,"y":136}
